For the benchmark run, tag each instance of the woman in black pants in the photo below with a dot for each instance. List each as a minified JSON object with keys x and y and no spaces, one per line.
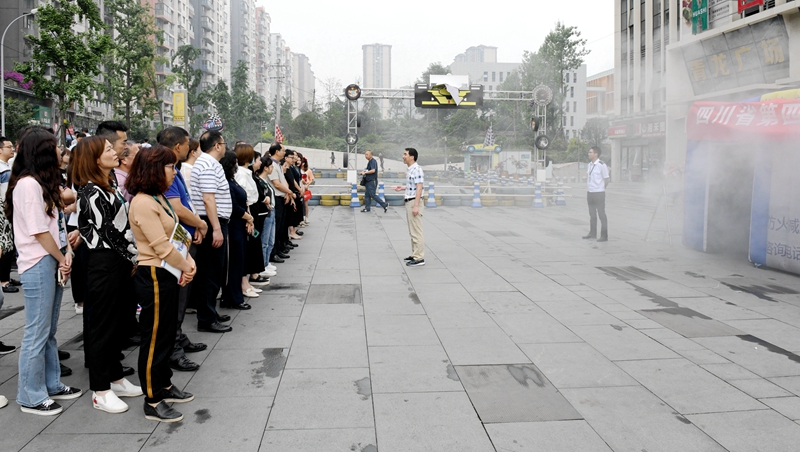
{"x":240,"y":226}
{"x":104,"y":229}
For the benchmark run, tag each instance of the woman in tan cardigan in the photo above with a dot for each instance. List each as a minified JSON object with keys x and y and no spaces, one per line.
{"x":153,"y":220}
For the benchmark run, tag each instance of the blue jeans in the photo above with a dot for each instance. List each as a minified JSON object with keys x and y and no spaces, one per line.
{"x":369,"y":195}
{"x":39,"y":370}
{"x":268,"y":237}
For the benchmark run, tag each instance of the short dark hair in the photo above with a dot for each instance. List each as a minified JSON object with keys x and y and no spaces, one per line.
{"x":147,"y":171}
{"x":244,"y":153}
{"x":266,"y":161}
{"x":2,"y":139}
{"x":275,"y":147}
{"x":413,"y":153}
{"x":289,"y":153}
{"x":596,"y":150}
{"x":84,"y":130}
{"x":209,"y":139}
{"x":171,"y":136}
{"x":109,"y":129}
{"x":228,"y":162}
{"x":80,"y":135}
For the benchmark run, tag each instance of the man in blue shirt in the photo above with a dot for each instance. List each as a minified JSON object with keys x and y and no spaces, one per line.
{"x":177,"y":140}
{"x":371,"y":177}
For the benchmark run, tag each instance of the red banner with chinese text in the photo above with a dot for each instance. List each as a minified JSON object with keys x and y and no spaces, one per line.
{"x":744,"y":4}
{"x":772,"y":120}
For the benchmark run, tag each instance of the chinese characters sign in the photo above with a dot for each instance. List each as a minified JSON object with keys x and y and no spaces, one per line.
{"x":771,"y":120}
{"x":758,"y":53}
{"x":783,"y":221}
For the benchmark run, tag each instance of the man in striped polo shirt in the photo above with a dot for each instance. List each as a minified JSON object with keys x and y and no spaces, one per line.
{"x":212,"y":198}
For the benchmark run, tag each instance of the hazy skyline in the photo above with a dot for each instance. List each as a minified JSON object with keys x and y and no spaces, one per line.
{"x":422,"y":32}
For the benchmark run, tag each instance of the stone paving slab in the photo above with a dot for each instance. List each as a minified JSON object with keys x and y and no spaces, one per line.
{"x":764,"y":430}
{"x":322,"y":440}
{"x":422,"y":368}
{"x":556,"y":436}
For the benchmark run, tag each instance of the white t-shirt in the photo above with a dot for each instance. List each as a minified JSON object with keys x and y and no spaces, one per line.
{"x":596,"y":173}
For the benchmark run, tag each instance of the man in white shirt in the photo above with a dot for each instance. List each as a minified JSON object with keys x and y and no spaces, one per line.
{"x":415,"y":178}
{"x":597,"y":181}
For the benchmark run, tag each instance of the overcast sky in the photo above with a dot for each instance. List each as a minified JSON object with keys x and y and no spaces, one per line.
{"x":331,"y":33}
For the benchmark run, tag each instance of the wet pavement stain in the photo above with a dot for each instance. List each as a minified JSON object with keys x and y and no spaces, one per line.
{"x":173,"y":427}
{"x":201,"y":416}
{"x":523,"y":374}
{"x":414,"y":297}
{"x":761,"y":291}
{"x":694,"y":275}
{"x":369,"y":448}
{"x":451,"y":373}
{"x":616,"y":327}
{"x":686,"y":312}
{"x":683,"y":419}
{"x":657,"y":299}
{"x":363,"y":388}
{"x":271,"y":366}
{"x":771,"y":347}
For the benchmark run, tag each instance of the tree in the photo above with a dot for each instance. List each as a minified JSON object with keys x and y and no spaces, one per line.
{"x":19,"y":113}
{"x":562,"y":51}
{"x":65,"y":62}
{"x":436,"y":68}
{"x":189,"y":77}
{"x":133,"y":55}
{"x":595,"y":131}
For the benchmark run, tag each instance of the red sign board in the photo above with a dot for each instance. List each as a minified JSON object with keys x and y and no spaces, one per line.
{"x":745,"y":4}
{"x":618,"y":131}
{"x":777,"y":119}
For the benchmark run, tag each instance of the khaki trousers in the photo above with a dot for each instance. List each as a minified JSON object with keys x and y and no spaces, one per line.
{"x":415,"y":230}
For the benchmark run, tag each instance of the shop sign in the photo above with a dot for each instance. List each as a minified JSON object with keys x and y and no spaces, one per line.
{"x":772,"y":120}
{"x":754,"y":54}
{"x":618,"y":132}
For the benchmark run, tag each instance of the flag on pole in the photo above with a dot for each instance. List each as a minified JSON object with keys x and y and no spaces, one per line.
{"x":278,"y":134}
{"x":489,"y":140}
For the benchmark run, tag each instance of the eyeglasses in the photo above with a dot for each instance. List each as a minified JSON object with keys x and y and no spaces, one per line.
{"x":171,"y":166}
{"x":222,"y":143}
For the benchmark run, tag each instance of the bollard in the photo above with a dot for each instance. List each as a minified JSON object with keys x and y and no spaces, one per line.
{"x":530,"y":181}
{"x":560,"y":195}
{"x":381,"y":194}
{"x":431,"y":199}
{"x":354,"y":197}
{"x":476,"y":195}
{"x":537,"y":198}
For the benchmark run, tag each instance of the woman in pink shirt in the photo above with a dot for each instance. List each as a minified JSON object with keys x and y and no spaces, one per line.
{"x":33,"y":204}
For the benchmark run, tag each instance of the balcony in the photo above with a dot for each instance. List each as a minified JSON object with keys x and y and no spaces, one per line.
{"x":207,"y":4}
{"x":206,"y":23}
{"x":164,"y":12}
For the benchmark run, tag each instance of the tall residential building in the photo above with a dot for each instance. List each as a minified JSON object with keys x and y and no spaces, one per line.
{"x":480,"y":64}
{"x":600,"y":95}
{"x":377,"y":63}
{"x":211,"y":23}
{"x":574,"y":102}
{"x":280,"y":69}
{"x":303,"y":90}
{"x":244,"y":36}
{"x":263,"y":52}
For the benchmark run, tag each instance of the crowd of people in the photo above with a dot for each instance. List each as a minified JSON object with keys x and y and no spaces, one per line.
{"x":147,"y":233}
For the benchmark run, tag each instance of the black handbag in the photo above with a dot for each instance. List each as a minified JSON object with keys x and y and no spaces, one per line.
{"x":363,"y":181}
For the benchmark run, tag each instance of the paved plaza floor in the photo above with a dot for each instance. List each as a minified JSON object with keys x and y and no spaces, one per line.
{"x":515,"y":336}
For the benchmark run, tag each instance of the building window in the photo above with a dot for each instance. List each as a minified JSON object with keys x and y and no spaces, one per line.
{"x":567,"y":77}
{"x":575,"y":106}
{"x":571,"y":91}
{"x":567,"y":110}
{"x":494,"y":79}
{"x":501,"y":76}
{"x":572,"y":121}
{"x":485,"y":76}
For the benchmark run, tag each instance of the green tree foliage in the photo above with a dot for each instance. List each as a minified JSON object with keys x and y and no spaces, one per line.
{"x":189,"y":78}
{"x":436,"y":68}
{"x":19,"y":113}
{"x":64,"y":62}
{"x":595,"y":132}
{"x":133,"y":55}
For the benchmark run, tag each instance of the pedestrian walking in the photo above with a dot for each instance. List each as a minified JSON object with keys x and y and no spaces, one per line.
{"x":597,"y":181}
{"x":370,"y":175}
{"x":333,"y":160}
{"x":415,"y":178}
{"x":380,"y":157}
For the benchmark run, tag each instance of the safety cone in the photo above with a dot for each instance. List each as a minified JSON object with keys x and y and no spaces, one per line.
{"x":476,"y":195}
{"x":354,"y":197}
{"x":537,"y":198}
{"x":381,"y":194}
{"x":560,"y":195}
{"x":431,"y":199}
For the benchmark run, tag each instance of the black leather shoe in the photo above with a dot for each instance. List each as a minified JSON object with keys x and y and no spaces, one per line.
{"x":215,"y":327}
{"x":8,"y":288}
{"x":241,"y":307}
{"x":161,"y":413}
{"x":14,"y":282}
{"x":283,"y":256}
{"x":62,"y":355}
{"x":175,"y":395}
{"x":409,"y":258}
{"x":300,"y":233}
{"x":65,"y":371}
{"x":195,"y":347}
{"x":222,"y":318}
{"x":590,"y":236}
{"x":364,"y":210}
{"x":602,"y":239}
{"x":184,"y":364}
{"x":128,"y":371}
{"x":276,"y":260}
{"x":385,"y":209}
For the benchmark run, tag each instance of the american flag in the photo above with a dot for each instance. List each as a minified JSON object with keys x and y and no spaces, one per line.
{"x":278,"y":134}
{"x":489,"y":140}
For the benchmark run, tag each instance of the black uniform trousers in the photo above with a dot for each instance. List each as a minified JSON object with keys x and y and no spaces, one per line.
{"x":211,"y":273}
{"x":281,"y":228}
{"x":184,"y":293}
{"x":597,"y":208}
{"x":157,"y":290}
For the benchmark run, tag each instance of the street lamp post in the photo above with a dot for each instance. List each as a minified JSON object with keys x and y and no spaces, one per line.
{"x":3,"y":76}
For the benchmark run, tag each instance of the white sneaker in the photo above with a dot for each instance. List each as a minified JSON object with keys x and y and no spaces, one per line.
{"x":78,"y":309}
{"x":3,"y":401}
{"x":126,"y":389}
{"x":250,"y":293}
{"x":272,"y":267}
{"x":256,"y":289}
{"x":109,"y":403}
{"x":268,"y":273}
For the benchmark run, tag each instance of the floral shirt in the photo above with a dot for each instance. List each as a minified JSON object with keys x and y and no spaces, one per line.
{"x":103,"y":221}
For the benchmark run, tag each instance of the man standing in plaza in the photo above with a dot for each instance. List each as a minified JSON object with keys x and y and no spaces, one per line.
{"x":371,"y":177}
{"x":415,"y":178}
{"x":212,"y":196}
{"x":597,"y":181}
{"x":284,"y":199}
